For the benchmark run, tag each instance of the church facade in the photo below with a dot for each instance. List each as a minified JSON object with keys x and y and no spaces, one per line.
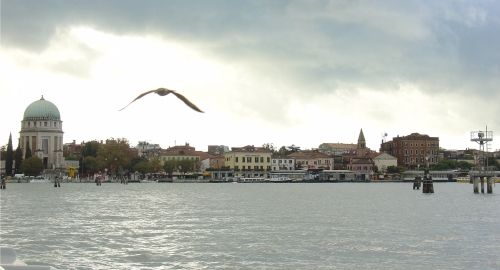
{"x":41,"y":133}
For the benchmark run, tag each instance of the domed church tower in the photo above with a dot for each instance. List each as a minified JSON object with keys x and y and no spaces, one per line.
{"x":41,"y":130}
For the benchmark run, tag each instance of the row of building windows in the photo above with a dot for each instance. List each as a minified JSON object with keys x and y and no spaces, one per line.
{"x":179,"y":158}
{"x":421,"y":144}
{"x":420,"y":160}
{"x":249,"y":159}
{"x":250,"y":168}
{"x":280,"y":161}
{"x":316,"y":162}
{"x":45,"y":124}
{"x":422,"y":152}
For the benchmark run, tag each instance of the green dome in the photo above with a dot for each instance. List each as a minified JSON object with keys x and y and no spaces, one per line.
{"x":42,"y":110}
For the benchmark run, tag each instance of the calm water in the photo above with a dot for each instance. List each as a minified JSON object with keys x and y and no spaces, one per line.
{"x":252,"y":226}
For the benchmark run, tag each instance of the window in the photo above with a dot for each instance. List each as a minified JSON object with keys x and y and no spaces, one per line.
{"x":249,"y":160}
{"x":256,"y":159}
{"x":44,"y":124}
{"x":236,"y":158}
{"x":262,"y":159}
{"x":45,"y":146}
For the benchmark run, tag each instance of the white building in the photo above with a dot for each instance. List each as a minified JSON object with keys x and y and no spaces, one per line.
{"x":41,"y":131}
{"x":384,"y":160}
{"x":148,"y":150}
{"x":282,"y":164}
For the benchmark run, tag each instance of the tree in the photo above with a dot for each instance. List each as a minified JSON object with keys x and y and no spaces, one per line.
{"x":28,"y":152}
{"x":143,"y":167}
{"x":18,"y":160}
{"x":170,"y":166}
{"x":89,"y":149}
{"x":155,"y":165}
{"x":9,"y":158}
{"x":394,"y":169}
{"x":269,"y":147}
{"x":287,"y":150}
{"x":464,"y":165}
{"x":115,"y":154}
{"x":32,"y":166}
{"x":293,"y":148}
{"x":90,"y":165}
{"x":493,"y":162}
{"x":186,"y":165}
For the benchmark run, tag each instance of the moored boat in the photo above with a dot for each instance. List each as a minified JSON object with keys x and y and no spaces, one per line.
{"x":40,"y":180}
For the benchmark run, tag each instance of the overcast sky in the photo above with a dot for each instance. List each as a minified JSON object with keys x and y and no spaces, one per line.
{"x":281,"y":72}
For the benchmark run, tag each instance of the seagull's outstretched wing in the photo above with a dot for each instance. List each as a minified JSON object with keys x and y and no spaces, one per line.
{"x":185,"y":100}
{"x":141,"y":95}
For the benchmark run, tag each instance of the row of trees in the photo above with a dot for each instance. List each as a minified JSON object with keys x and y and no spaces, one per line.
{"x":116,"y":157}
{"x":15,"y":164}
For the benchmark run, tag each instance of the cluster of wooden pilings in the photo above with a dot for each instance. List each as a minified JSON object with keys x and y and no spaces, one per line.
{"x":481,"y":179}
{"x":427,"y":183}
{"x":57,"y":182}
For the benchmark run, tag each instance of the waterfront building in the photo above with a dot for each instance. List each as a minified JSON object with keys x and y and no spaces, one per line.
{"x":361,"y":160}
{"x":337,"y":149}
{"x":183,"y":152}
{"x":383,"y":160}
{"x":73,"y":150}
{"x":217,"y":162}
{"x":148,"y":150}
{"x":251,"y":159}
{"x":283,"y":164}
{"x":312,"y":160}
{"x":413,"y":151}
{"x":41,"y":132}
{"x":211,"y":162}
{"x":217,"y":150}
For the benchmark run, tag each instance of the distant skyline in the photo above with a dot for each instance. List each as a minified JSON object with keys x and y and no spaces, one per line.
{"x":281,"y":72}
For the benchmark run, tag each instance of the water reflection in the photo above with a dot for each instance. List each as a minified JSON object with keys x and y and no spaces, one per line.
{"x":271,"y":226}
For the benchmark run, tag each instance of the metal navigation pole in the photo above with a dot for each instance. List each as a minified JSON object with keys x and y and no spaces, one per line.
{"x":482,"y":173}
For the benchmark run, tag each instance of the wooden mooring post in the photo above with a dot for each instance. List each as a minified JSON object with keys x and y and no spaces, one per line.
{"x":57,"y":182}
{"x":489,"y":185}
{"x":417,"y":182}
{"x":476,"y":184}
{"x":482,"y":184}
{"x":428,"y":185}
{"x":480,"y":179}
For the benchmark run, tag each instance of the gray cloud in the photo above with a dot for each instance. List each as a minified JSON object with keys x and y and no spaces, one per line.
{"x":445,"y":46}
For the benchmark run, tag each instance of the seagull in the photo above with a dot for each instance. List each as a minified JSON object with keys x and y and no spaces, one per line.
{"x":164,"y":92}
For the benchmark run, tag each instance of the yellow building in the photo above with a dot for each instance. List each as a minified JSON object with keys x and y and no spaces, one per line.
{"x":248,"y":158}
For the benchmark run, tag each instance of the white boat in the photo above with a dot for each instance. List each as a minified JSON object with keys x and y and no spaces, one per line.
{"x":9,"y":261}
{"x":40,"y":180}
{"x":281,"y":179}
{"x":251,"y":180}
{"x":148,"y":181}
